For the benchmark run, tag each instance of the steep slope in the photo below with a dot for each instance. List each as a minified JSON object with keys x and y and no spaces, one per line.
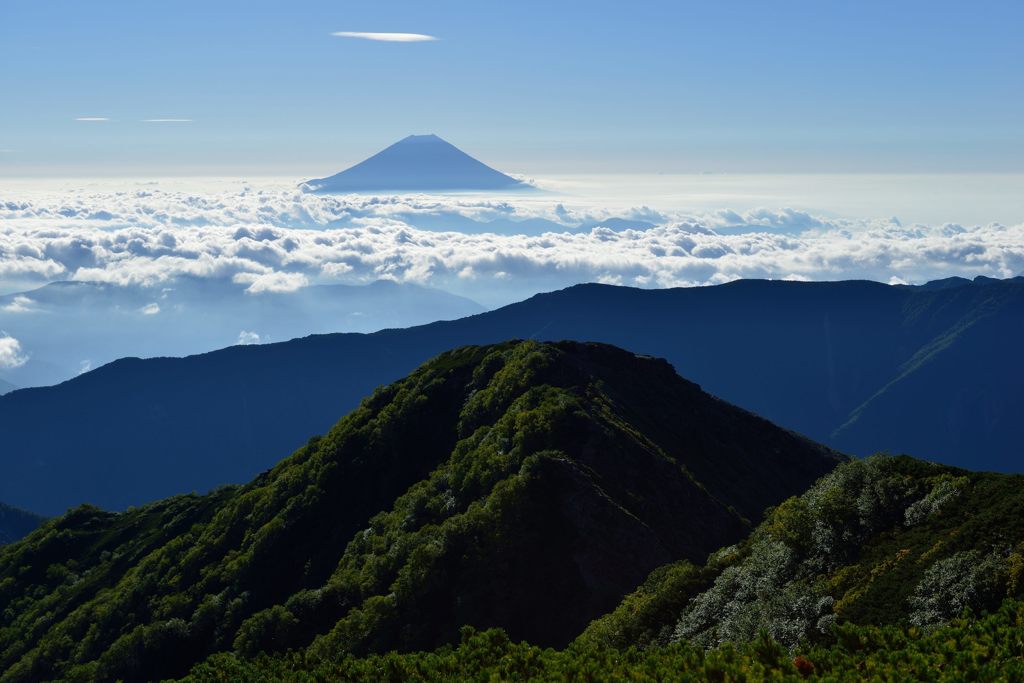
{"x":882,"y":541}
{"x":417,"y":163}
{"x":803,"y":355}
{"x":960,"y":393}
{"x":527,"y":486}
{"x":15,"y":523}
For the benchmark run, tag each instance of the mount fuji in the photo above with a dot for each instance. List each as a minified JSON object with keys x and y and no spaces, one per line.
{"x":418,"y":163}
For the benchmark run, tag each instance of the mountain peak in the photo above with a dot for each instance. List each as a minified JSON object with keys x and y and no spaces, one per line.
{"x":417,"y":163}
{"x":493,"y":485}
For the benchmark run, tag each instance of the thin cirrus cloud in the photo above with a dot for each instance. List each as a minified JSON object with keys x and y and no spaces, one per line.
{"x":104,"y":119}
{"x":386,"y":37}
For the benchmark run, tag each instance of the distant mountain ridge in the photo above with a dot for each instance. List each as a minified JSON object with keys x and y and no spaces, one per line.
{"x":189,"y":315}
{"x":829,"y":359}
{"x":522,"y":485}
{"x":417,"y":163}
{"x":15,"y":523}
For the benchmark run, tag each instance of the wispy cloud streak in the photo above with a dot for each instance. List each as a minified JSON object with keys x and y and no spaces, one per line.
{"x":386,"y":37}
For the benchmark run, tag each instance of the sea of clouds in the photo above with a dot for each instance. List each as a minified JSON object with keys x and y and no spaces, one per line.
{"x":279,"y":239}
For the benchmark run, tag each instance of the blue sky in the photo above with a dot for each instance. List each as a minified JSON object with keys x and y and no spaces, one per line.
{"x":531,"y":87}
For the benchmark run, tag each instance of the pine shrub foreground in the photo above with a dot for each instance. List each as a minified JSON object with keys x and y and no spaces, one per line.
{"x":985,"y":648}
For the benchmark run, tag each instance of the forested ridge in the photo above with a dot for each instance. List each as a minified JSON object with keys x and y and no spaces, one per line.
{"x":527,"y":486}
{"x":536,"y":511}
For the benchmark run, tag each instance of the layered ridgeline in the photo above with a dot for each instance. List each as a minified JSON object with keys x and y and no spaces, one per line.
{"x":526,"y":486}
{"x":15,"y":523}
{"x":863,"y":367}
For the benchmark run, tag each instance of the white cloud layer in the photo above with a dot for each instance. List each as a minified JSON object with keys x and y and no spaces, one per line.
{"x":386,"y":37}
{"x":271,"y":282}
{"x":11,"y":355}
{"x":20,"y":304}
{"x":278,"y":240}
{"x":95,"y":119}
{"x":247,"y":337}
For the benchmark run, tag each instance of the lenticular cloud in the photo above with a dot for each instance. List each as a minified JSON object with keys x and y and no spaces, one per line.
{"x":386,"y":37}
{"x":279,"y":240}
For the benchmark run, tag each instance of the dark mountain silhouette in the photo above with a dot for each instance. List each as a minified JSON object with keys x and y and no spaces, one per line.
{"x":826,"y":359}
{"x":525,"y":485}
{"x":417,"y":163}
{"x":959,"y":396}
{"x":6,"y":387}
{"x":15,"y":523}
